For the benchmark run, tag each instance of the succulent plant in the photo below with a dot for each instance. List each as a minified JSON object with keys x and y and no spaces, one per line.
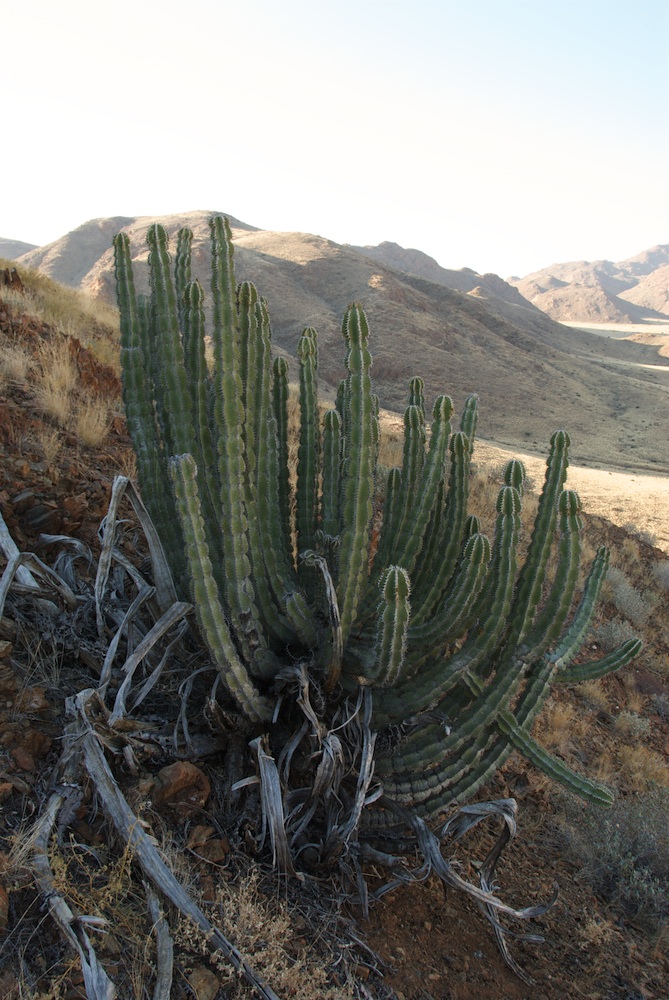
{"x":444,"y":644}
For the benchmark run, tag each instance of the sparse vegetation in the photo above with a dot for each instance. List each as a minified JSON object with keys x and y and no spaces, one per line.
{"x":594,"y":694}
{"x":92,"y":321}
{"x":633,"y":605}
{"x":15,"y":362}
{"x":56,"y":380}
{"x":661,"y":574}
{"x":611,"y":633}
{"x":91,"y":421}
{"x":632,"y":724}
{"x":642,"y":767}
{"x":661,"y":706}
{"x":49,"y":442}
{"x":624,"y":854}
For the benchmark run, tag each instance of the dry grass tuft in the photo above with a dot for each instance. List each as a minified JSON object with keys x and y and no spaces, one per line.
{"x":631,"y":724}
{"x":58,"y":394}
{"x":557,"y":725}
{"x":605,"y":768}
{"x":561,"y":728}
{"x":49,"y":442}
{"x":642,"y":768}
{"x":15,"y":363}
{"x":56,"y":380}
{"x":594,"y":694}
{"x":71,"y":311}
{"x":596,"y":932}
{"x":636,"y":701}
{"x":91,"y":421}
{"x":263,"y":932}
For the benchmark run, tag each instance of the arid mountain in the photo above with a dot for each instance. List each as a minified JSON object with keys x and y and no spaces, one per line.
{"x":651,"y":291}
{"x":630,"y":291}
{"x":11,"y":249}
{"x":531,"y":373}
{"x":421,"y":265}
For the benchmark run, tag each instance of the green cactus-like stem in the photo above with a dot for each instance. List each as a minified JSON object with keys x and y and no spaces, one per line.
{"x":453,"y":619}
{"x":410,"y":543}
{"x":532,"y":575}
{"x":442,"y":557}
{"x":594,"y":669}
{"x":331,"y":473}
{"x":203,"y":452}
{"x":229,"y":422}
{"x":434,"y":681}
{"x":173,"y":397}
{"x":392,"y":512}
{"x":438,"y":566}
{"x":358,"y":484}
{"x":309,"y":451}
{"x":572,"y":640}
{"x":293,"y":614}
{"x":182,"y":265}
{"x":394,"y":615}
{"x":250,"y":371}
{"x":417,"y":393}
{"x":515,"y":475}
{"x":412,"y":469}
{"x":556,"y":769}
{"x":548,"y":625}
{"x":138,"y":399}
{"x":211,"y":616}
{"x":280,"y":402}
{"x":256,"y":375}
{"x":459,"y":655}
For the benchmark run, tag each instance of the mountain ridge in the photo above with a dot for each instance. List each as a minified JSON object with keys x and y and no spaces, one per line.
{"x":629,"y":291}
{"x":532,"y":374}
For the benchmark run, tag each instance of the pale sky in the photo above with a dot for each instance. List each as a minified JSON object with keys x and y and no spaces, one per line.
{"x":501,"y":135}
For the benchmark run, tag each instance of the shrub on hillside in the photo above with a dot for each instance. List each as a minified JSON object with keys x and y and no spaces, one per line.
{"x":624,"y":853}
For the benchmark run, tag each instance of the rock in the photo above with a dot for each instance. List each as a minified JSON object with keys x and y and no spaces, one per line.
{"x":31,"y":700}
{"x":203,"y":982}
{"x":182,"y":788}
{"x":198,"y":836}
{"x":214,"y":851}
{"x":10,"y":278}
{"x":23,"y":760}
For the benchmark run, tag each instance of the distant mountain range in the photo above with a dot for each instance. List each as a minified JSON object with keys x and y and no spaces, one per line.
{"x":11,"y":249}
{"x":463,"y":332}
{"x":630,"y":291}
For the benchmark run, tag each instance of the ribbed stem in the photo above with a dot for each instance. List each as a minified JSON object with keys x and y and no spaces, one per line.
{"x":358,"y":482}
{"x":210,"y":613}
